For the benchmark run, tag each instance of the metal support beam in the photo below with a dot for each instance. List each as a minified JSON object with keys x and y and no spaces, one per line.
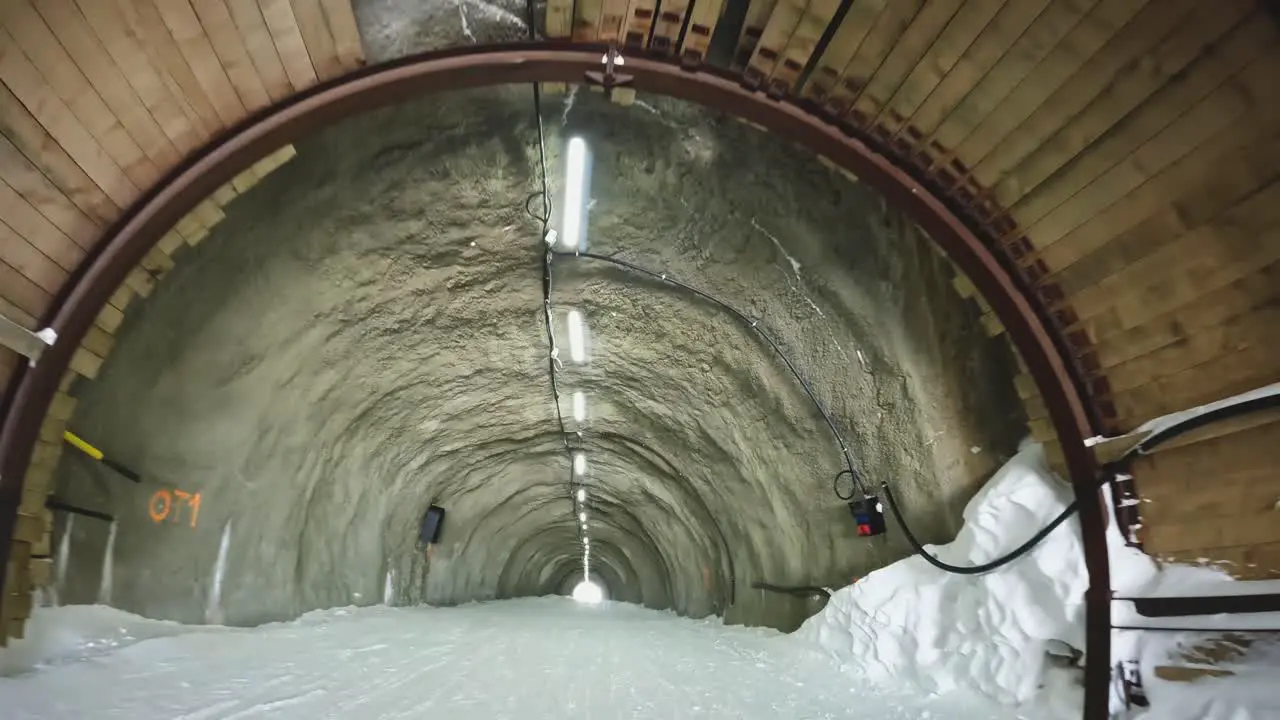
{"x":28,"y":344}
{"x":54,"y":503}
{"x":1204,"y":605}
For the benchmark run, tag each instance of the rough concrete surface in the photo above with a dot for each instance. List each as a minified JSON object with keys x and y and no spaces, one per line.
{"x":362,"y":336}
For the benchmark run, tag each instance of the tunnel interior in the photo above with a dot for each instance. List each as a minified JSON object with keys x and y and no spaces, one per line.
{"x":363,"y":337}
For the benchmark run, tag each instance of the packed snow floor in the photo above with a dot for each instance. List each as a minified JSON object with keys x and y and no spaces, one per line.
{"x":535,"y":658}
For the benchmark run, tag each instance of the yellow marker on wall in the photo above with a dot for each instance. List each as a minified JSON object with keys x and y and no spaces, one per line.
{"x":79,"y":443}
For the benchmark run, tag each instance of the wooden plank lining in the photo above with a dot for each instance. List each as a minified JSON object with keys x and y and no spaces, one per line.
{"x":247,"y":16}
{"x":702,"y":24}
{"x":56,"y":118}
{"x":1229,"y":373}
{"x":1194,"y":189}
{"x":1071,"y":95}
{"x":27,"y":180}
{"x":179,"y":121}
{"x":612,"y":15}
{"x":983,"y":54}
{"x":36,"y":229}
{"x":1237,"y":238}
{"x":43,"y":68}
{"x":71,"y":29}
{"x":1067,"y":52}
{"x":144,"y":21}
{"x":1260,"y":328}
{"x":227,"y":45}
{"x":315,"y":33}
{"x":292,"y":49}
{"x":804,"y":40}
{"x":586,"y":20}
{"x":20,"y":290}
{"x":885,"y":30}
{"x":842,"y":48}
{"x":1173,"y":327}
{"x":27,"y":259}
{"x":1132,"y":108}
{"x":773,"y":40}
{"x":638,"y":22}
{"x":753,"y":25}
{"x":559,"y":18}
{"x":1229,"y":105}
{"x":43,"y":151}
{"x":194,"y":44}
{"x":666,"y":27}
{"x":346,"y":34}
{"x":958,"y":33}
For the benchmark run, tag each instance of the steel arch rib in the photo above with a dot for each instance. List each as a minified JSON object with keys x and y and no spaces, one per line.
{"x":122,"y":247}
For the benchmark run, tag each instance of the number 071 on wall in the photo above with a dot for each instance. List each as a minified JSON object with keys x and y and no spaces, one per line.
{"x":166,"y":504}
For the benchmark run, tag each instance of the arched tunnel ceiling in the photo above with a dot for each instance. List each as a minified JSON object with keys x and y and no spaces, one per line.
{"x":362,"y":337}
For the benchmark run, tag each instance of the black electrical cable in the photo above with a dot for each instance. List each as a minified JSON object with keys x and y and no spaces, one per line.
{"x":777,"y":349}
{"x":1021,"y":550}
{"x":544,"y":221}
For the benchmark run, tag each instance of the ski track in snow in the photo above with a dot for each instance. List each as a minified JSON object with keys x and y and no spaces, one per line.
{"x":533,"y":658}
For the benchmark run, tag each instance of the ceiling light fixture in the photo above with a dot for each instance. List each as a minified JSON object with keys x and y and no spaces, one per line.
{"x":579,"y":407}
{"x":574,"y":195}
{"x":580,"y":464}
{"x":577,"y":337}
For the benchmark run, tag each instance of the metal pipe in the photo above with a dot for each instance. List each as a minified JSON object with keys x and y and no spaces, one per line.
{"x":54,"y":503}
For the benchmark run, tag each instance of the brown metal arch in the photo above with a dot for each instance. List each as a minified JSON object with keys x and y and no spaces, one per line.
{"x":124,"y":245}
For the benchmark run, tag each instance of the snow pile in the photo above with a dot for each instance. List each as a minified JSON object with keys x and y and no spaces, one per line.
{"x":940,"y":631}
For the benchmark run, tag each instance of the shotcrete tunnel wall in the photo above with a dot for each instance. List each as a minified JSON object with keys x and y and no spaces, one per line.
{"x":362,"y":337}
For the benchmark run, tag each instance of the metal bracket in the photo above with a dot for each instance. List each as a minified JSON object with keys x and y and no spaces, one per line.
{"x":24,"y":342}
{"x":610,"y":78}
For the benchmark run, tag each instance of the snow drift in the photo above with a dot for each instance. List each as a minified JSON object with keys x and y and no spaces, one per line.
{"x":911,"y":621}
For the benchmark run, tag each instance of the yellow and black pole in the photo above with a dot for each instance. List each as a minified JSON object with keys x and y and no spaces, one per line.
{"x":78,"y":443}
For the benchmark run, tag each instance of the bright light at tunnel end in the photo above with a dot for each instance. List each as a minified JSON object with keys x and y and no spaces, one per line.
{"x":588,"y":592}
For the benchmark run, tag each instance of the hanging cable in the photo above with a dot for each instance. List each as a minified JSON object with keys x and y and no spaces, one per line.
{"x":1021,"y":550}
{"x":544,"y":222}
{"x":754,"y":324}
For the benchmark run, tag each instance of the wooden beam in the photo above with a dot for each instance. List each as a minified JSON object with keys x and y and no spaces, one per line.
{"x":285,"y":33}
{"x":247,"y":16}
{"x":345,"y":32}
{"x":666,"y":27}
{"x":702,"y":25}
{"x":559,"y":18}
{"x":906,"y":53}
{"x":224,"y":37}
{"x":753,"y":25}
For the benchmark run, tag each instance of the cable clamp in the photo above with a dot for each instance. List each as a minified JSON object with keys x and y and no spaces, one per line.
{"x":610,"y":78}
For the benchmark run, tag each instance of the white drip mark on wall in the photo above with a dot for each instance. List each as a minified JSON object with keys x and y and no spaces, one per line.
{"x":389,"y":588}
{"x":569,"y":98}
{"x":489,"y":11}
{"x":466,"y":27}
{"x":108,"y":562}
{"x":213,"y":608}
{"x":64,"y":557}
{"x":866,"y":367}
{"x":795,"y":264}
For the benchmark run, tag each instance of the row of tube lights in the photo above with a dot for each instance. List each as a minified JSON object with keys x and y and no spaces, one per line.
{"x":571,"y":238}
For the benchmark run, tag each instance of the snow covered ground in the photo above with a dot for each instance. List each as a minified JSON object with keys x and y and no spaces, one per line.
{"x":535,"y":658}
